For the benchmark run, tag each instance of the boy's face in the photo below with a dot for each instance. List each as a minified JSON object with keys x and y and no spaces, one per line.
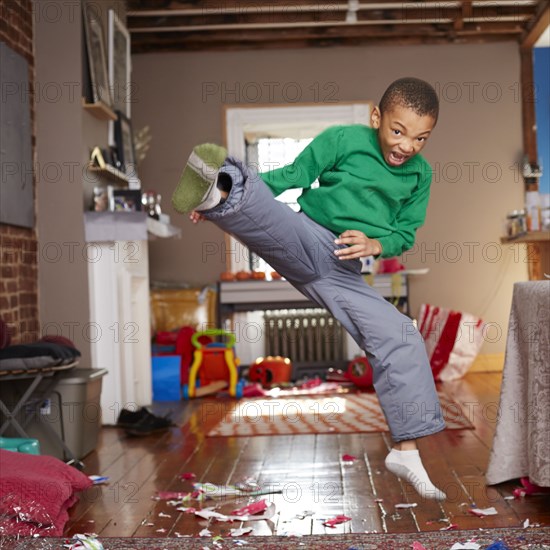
{"x":401,"y":133}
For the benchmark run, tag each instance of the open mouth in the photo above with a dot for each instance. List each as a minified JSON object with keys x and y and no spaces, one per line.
{"x":396,"y":159}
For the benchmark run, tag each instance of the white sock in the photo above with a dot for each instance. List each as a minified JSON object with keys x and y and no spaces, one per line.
{"x":408,"y":465}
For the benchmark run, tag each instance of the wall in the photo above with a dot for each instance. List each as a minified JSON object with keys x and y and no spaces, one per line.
{"x":66,"y":134}
{"x":63,"y":274}
{"x":18,"y":245}
{"x":473,"y":151}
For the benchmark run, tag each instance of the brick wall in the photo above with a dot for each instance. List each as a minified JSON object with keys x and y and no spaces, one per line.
{"x":18,"y":246}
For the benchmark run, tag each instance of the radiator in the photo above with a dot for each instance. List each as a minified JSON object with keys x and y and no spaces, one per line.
{"x":305,"y":336}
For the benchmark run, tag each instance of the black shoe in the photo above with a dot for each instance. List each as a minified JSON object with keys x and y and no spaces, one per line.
{"x":127,"y":419}
{"x":149,"y":424}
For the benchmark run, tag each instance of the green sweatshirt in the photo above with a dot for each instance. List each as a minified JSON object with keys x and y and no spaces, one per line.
{"x":357,"y":188}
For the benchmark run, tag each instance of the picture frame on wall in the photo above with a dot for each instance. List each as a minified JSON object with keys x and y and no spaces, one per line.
{"x":99,"y":90}
{"x":124,"y":144}
{"x":119,"y":64}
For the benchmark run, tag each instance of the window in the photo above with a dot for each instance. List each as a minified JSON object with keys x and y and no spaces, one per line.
{"x":268,"y":154}
{"x":277,"y":152}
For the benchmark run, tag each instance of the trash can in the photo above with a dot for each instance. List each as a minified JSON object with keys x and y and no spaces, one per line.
{"x":73,"y":411}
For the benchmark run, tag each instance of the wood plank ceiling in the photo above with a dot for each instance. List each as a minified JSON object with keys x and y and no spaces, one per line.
{"x":192,"y":25}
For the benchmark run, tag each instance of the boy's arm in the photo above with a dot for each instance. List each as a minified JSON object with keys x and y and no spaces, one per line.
{"x":409,"y":219}
{"x":319,"y":155}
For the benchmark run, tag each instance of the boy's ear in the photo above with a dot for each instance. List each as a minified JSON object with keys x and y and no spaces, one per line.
{"x":375,"y":117}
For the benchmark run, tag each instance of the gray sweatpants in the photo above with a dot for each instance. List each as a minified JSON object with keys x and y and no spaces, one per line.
{"x":302,"y":251}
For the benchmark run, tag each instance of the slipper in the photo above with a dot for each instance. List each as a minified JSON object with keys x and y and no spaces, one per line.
{"x":197,"y":189}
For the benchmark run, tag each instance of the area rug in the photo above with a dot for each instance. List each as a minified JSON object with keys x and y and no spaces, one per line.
{"x":345,"y":413}
{"x":501,"y":539}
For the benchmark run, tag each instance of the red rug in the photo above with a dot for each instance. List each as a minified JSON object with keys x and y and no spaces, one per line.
{"x":343,"y":413}
{"x":514,"y":539}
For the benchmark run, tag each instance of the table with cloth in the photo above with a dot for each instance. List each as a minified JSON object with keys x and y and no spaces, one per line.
{"x":521,"y":445}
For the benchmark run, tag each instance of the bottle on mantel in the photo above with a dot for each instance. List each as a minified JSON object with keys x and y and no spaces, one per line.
{"x":533,"y":210}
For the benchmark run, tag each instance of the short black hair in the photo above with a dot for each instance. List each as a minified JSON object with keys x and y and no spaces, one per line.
{"x":412,"y":93}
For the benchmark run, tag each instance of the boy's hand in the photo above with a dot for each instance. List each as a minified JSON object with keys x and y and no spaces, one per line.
{"x":359,"y":245}
{"x":196,"y":217}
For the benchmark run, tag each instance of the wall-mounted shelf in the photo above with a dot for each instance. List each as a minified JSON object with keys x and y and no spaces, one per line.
{"x":163,"y":230}
{"x":99,"y":110}
{"x":125,"y":226}
{"x":115,"y":226}
{"x":538,"y":253}
{"x":530,"y":237}
{"x":109,"y":172}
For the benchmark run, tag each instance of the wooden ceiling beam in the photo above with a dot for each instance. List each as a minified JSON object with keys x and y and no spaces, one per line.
{"x":537,"y":26}
{"x":407,"y":15}
{"x":138,"y":8}
{"x":260,"y":32}
{"x":242,"y":24}
{"x":466,"y":12}
{"x":303,"y":33}
{"x":135,"y":7}
{"x":141,"y":46}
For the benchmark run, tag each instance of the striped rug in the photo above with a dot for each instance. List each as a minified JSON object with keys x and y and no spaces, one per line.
{"x":344,"y":413}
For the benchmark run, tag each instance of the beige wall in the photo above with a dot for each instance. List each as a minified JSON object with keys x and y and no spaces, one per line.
{"x":63,"y":273}
{"x":477,"y":140}
{"x":65,"y":136}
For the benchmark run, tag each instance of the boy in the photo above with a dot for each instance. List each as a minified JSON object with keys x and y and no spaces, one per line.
{"x":372,"y":196}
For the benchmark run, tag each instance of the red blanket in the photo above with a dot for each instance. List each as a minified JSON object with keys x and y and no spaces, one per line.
{"x":36,"y":493}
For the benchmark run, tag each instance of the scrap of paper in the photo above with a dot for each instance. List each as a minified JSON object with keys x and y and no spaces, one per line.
{"x":406,"y":505}
{"x":98,"y":480}
{"x":465,"y":546}
{"x":240,"y":532}
{"x":251,"y":509}
{"x":349,"y":458}
{"x":450,"y":527}
{"x":84,"y":542}
{"x":210,"y":513}
{"x":212,"y":490}
{"x":186,"y":509}
{"x":336,"y":520}
{"x":171,"y":495}
{"x":483,"y":511}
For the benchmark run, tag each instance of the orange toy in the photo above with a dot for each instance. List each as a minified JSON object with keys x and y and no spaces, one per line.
{"x":270,"y":370}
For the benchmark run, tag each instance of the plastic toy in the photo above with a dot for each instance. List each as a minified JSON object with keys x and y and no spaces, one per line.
{"x":270,"y":370}
{"x":217,"y":365}
{"x":360,"y":372}
{"x":21,"y":445}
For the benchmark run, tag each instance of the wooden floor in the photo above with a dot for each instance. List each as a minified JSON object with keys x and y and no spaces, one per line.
{"x":309,"y":471}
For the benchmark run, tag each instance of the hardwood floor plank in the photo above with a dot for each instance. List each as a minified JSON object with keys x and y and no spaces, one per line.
{"x":360,"y":502}
{"x":326,"y":492}
{"x":388,"y":488}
